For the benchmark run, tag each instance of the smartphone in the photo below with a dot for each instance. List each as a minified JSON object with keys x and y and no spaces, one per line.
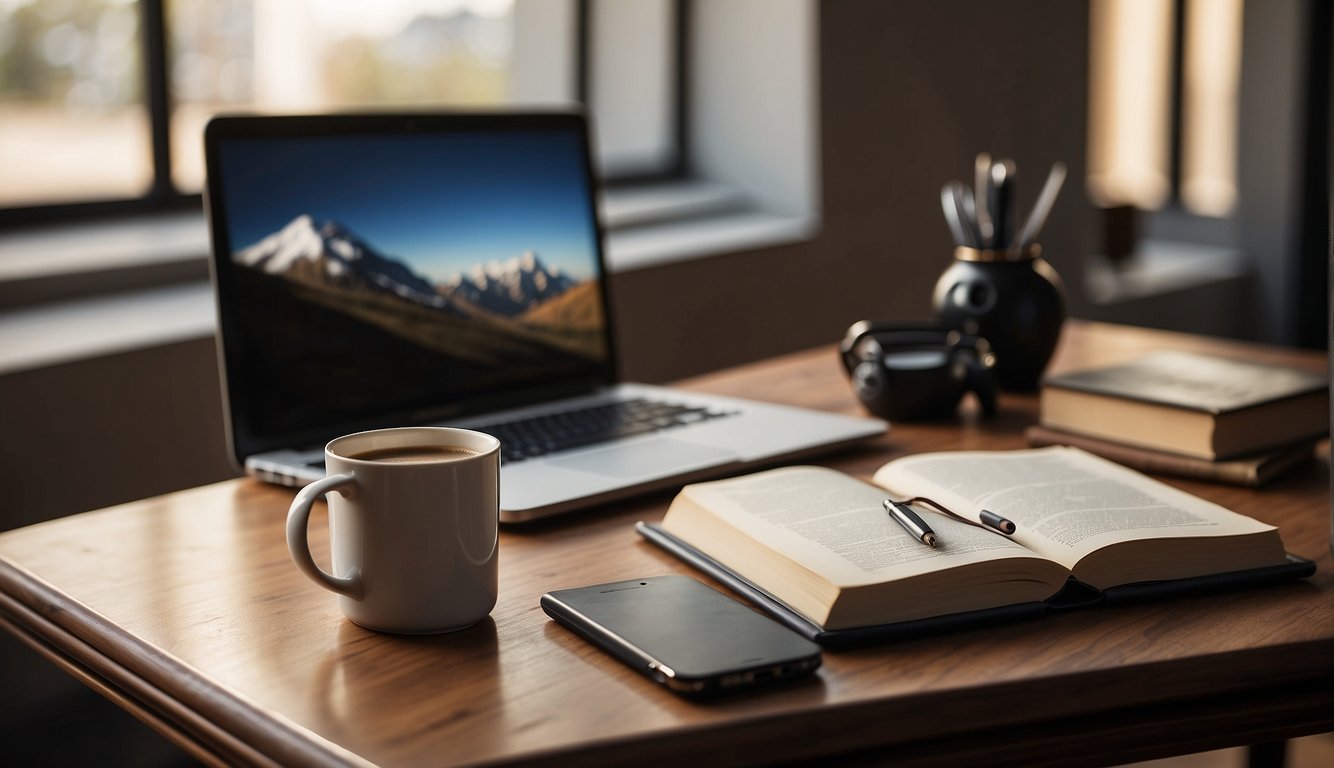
{"x":685,"y":635}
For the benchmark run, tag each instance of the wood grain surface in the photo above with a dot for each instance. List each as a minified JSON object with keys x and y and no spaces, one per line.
{"x":187,"y":610}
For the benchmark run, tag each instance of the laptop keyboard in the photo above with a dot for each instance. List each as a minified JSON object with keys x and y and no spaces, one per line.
{"x":539,"y":435}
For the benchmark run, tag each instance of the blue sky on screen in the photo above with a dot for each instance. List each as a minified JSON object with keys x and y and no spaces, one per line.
{"x":441,"y":203}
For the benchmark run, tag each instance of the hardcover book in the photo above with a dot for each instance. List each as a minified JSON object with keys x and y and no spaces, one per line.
{"x":1194,"y":405}
{"x":816,"y":549}
{"x":1252,"y":470}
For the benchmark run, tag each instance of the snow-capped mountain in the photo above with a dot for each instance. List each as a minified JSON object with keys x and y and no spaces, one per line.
{"x":509,"y":287}
{"x":326,"y":252}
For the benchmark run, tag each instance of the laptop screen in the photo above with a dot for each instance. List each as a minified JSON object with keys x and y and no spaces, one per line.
{"x":378,"y":270}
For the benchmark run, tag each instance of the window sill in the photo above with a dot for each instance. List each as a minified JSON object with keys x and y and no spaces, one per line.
{"x":56,"y":263}
{"x":50,"y":334}
{"x":672,"y":242}
{"x":1174,"y":285}
{"x":659,"y":224}
{"x":83,"y":291}
{"x":1161,"y":267}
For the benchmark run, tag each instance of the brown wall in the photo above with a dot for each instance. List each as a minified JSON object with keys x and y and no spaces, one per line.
{"x":111,"y":429}
{"x":910,"y":92}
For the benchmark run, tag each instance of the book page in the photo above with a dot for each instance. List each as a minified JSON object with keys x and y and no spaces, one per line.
{"x":835,"y":526}
{"x":1065,"y":503}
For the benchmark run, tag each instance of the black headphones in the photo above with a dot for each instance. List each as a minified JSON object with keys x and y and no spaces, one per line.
{"x":917,"y":373}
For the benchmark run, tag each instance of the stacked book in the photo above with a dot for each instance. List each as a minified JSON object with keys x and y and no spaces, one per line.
{"x":1189,"y":415}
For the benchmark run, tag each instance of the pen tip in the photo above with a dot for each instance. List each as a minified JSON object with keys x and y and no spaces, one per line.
{"x":930,"y":538}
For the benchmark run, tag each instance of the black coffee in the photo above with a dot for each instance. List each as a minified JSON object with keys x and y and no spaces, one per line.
{"x":422,"y":454}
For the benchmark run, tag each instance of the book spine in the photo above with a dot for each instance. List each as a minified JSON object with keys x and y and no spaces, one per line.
{"x":1232,"y":473}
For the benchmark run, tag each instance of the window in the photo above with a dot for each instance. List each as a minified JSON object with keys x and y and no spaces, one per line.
{"x":632,"y":85}
{"x":625,"y":60}
{"x":1163,"y":110}
{"x":1210,"y":141}
{"x":703,"y":114}
{"x":317,"y":55}
{"x":72,"y":94}
{"x":105,"y":100}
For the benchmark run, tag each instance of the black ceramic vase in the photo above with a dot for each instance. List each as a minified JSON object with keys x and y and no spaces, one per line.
{"x":1014,"y":301}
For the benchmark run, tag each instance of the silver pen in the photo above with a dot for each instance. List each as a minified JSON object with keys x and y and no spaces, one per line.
{"x":911,"y":522}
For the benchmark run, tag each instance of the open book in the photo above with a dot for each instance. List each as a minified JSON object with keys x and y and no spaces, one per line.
{"x":818,"y":543}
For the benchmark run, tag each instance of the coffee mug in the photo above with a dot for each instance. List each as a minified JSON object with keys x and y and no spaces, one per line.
{"x":413,"y":524}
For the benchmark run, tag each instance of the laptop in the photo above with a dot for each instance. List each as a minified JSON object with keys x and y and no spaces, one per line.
{"x":387,"y":270}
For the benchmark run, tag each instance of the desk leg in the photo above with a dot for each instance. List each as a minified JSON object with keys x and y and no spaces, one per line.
{"x":1270,"y":754}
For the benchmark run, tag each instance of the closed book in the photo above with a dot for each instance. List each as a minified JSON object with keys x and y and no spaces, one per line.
{"x":1190,"y":404}
{"x":1252,"y":471}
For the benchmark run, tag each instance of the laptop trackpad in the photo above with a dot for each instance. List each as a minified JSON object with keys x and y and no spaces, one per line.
{"x":650,"y":458}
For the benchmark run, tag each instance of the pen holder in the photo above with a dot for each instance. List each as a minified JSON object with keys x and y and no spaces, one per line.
{"x":1013,"y":299}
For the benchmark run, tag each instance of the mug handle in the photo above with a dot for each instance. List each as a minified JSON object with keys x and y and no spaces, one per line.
{"x":298,"y":543}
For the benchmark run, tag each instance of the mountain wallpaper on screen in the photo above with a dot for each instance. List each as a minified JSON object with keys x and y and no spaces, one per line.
{"x":499,"y":311}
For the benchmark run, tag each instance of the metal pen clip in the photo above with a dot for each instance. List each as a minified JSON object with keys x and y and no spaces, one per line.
{"x":911,"y":522}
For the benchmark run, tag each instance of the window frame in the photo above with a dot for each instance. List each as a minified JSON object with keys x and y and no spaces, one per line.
{"x":677,"y":167}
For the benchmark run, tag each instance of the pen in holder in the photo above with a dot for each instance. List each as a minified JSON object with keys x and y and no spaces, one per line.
{"x":999,"y":287}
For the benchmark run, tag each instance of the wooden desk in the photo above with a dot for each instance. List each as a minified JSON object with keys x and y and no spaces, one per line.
{"x":187,"y":611}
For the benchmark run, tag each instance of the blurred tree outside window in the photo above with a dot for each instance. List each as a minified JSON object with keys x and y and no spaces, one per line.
{"x":75,"y":122}
{"x":327,"y":55}
{"x":72,"y":121}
